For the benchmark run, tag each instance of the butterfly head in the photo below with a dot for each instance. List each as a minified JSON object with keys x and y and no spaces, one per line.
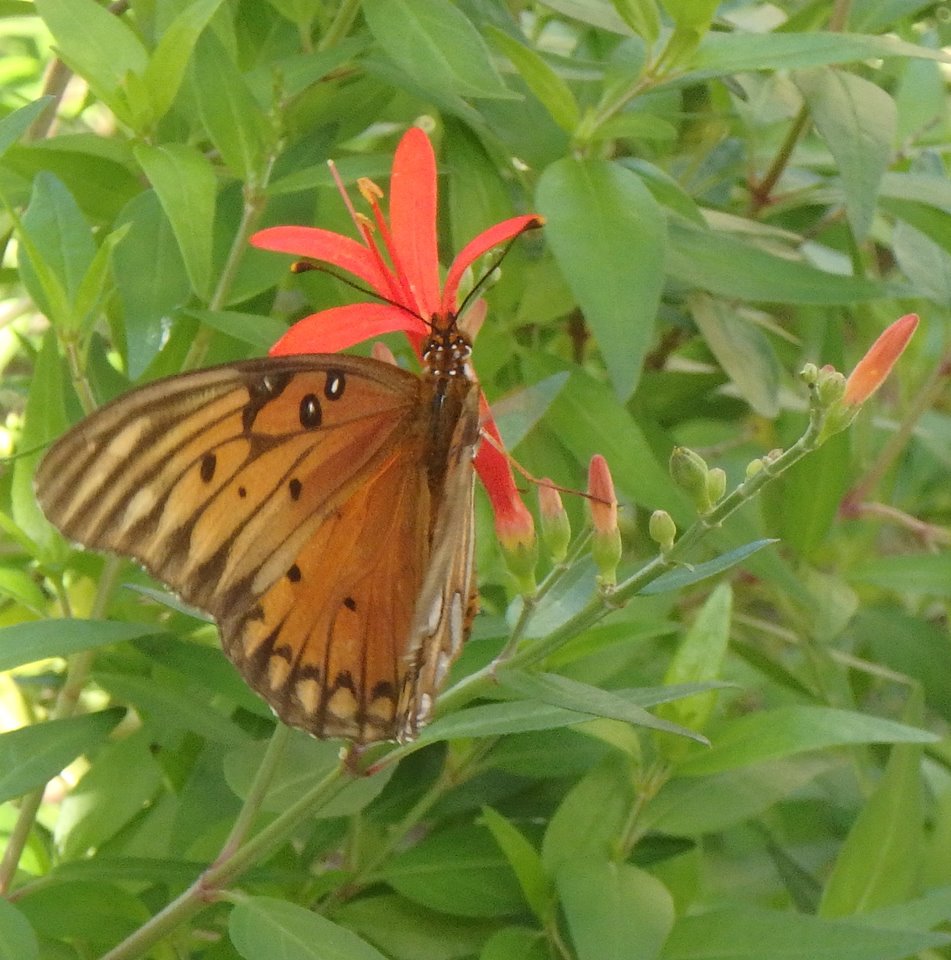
{"x":446,"y":350}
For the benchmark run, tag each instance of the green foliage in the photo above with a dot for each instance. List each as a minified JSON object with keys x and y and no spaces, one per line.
{"x":739,"y":753}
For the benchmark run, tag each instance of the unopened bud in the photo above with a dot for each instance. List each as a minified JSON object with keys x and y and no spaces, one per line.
{"x":555,"y":526}
{"x":716,"y":484}
{"x":606,"y":539}
{"x":689,"y":471}
{"x":830,"y":387}
{"x":662,"y":529}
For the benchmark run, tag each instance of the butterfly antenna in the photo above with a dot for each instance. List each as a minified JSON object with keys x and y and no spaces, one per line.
{"x":481,"y":282}
{"x":305,"y":266}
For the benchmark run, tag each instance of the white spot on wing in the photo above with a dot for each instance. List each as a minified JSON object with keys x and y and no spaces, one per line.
{"x":141,"y":503}
{"x":126,"y":441}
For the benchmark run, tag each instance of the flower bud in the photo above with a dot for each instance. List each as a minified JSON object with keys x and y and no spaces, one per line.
{"x":662,"y":529}
{"x":716,"y":484}
{"x":870,"y":372}
{"x":809,"y":374}
{"x":754,"y":467}
{"x":830,"y":387}
{"x":606,"y":540}
{"x":556,"y":528}
{"x":689,"y":471}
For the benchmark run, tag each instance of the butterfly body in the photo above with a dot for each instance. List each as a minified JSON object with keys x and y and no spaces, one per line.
{"x":319,"y":507}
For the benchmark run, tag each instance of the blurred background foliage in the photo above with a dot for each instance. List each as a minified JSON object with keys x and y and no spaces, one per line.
{"x":731,"y":189}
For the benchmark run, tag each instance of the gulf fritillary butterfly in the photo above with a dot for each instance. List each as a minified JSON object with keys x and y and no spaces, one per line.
{"x":319,"y":507}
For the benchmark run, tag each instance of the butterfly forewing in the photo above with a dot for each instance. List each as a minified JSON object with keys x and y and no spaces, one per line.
{"x":298,"y":501}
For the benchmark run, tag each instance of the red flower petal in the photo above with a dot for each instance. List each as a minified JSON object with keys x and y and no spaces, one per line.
{"x":474,"y":249}
{"x":413,"y":218}
{"x":325,"y":245}
{"x":340,"y":327}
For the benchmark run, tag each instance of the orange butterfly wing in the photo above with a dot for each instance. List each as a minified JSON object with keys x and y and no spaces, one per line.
{"x":319,"y":507}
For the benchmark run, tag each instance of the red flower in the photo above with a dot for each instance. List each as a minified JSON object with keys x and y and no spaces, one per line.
{"x":398,"y":259}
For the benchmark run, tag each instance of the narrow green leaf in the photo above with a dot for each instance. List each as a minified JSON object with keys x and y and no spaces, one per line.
{"x":708,"y":260}
{"x":498,"y":719}
{"x":857,"y":119}
{"x":879,"y":862}
{"x":608,"y":235}
{"x":743,"y":351}
{"x":31,"y":756}
{"x":924,"y":262}
{"x":524,"y":861}
{"x":685,"y":576}
{"x":787,"y":731}
{"x":693,"y":14}
{"x":166,"y":67}
{"x":699,"y":656}
{"x":739,"y":933}
{"x":237,"y":125}
{"x":186,"y":185}
{"x":728,"y":52}
{"x":98,"y":45}
{"x":17,"y":939}
{"x":540,"y":78}
{"x":22,"y":588}
{"x":615,"y":911}
{"x":437,"y":46}
{"x":22,"y":643}
{"x":595,"y":13}
{"x":593,"y":701}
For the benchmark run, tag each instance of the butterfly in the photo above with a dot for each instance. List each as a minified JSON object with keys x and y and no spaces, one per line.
{"x":319,"y":507}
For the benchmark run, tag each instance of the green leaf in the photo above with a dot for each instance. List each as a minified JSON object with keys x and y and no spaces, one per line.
{"x":787,"y":731}
{"x":175,"y":706}
{"x":251,"y":328}
{"x":692,"y":14}
{"x":98,"y":45}
{"x":458,"y":871}
{"x":596,"y":13}
{"x":878,"y":864}
{"x":15,"y":124}
{"x":151,"y":280}
{"x":589,"y":819}
{"x":615,"y":911}
{"x":22,"y":643}
{"x":498,"y":719}
{"x":691,"y":806}
{"x":571,"y":695}
{"x":58,"y":250}
{"x":857,"y":119}
{"x":304,"y":763}
{"x":608,"y":235}
{"x":94,"y":285}
{"x":525,"y":862}
{"x":699,"y":656}
{"x":540,"y":78}
{"x":739,"y":933}
{"x":168,"y":63}
{"x":437,"y":46}
{"x":186,"y":185}
{"x":516,"y":943}
{"x":238,"y":127}
{"x":927,"y":265}
{"x":17,"y":939}
{"x":684,"y":576}
{"x":743,"y":351}
{"x":31,"y":756}
{"x":642,"y":16}
{"x":723,"y":52}
{"x":923,"y":573}
{"x":123,"y":780}
{"x":708,"y":260}
{"x":264,"y":928}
